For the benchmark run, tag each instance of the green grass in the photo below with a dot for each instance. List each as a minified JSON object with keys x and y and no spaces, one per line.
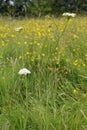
{"x":54,"y":95}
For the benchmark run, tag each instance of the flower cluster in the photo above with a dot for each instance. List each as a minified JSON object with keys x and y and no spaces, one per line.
{"x":69,"y":14}
{"x":24,"y":71}
{"x":19,"y":29}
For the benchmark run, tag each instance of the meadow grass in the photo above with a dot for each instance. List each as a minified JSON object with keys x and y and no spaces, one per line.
{"x":54,"y":95}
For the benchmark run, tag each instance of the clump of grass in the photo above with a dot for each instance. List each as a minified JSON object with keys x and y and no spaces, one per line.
{"x":53,"y":96}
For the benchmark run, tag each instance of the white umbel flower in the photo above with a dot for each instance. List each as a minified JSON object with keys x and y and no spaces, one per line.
{"x":69,"y":14}
{"x":19,"y":29}
{"x":24,"y":71}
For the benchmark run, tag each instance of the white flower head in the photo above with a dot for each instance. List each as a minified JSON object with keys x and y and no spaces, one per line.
{"x":73,"y":14}
{"x":24,"y":71}
{"x":19,"y":29}
{"x":69,"y":14}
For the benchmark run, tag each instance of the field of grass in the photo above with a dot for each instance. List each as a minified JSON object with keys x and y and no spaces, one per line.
{"x":54,"y":95}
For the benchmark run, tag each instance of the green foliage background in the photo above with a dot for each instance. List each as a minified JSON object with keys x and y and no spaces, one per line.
{"x":42,"y":7}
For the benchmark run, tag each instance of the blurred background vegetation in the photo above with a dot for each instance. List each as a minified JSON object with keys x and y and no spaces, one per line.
{"x":16,"y":8}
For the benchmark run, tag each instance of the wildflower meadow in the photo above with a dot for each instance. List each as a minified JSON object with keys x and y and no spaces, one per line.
{"x":43,"y":73}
